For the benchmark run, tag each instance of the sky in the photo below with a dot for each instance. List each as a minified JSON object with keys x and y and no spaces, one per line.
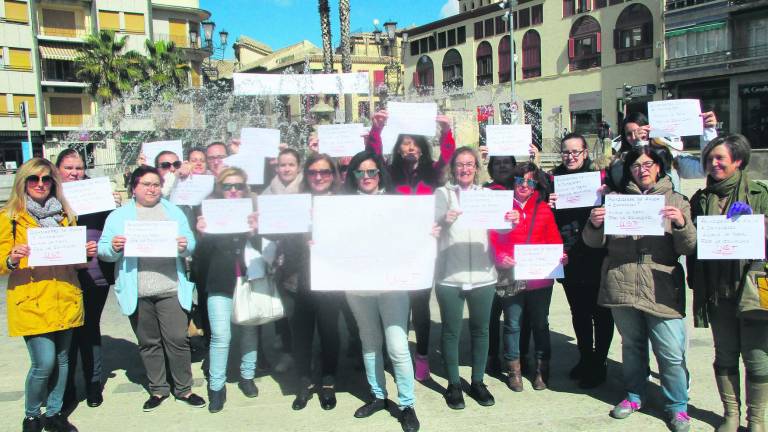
{"x":280,"y":23}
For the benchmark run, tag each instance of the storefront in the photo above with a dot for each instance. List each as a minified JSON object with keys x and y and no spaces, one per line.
{"x":754,"y":113}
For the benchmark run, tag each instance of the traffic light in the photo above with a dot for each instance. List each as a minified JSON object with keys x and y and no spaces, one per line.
{"x":627,"y":91}
{"x":23,"y":113}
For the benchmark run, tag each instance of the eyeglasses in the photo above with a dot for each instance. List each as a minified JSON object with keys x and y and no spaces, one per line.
{"x":521,"y":181}
{"x":231,"y":186}
{"x":465,"y":165}
{"x":647,"y":165}
{"x":37,"y":179}
{"x":167,"y":165}
{"x":151,"y":185}
{"x":366,"y":173}
{"x":324,"y":173}
{"x":216,"y":157}
{"x":573,"y":154}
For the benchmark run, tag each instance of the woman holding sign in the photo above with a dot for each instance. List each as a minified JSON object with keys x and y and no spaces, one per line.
{"x":643,"y":284}
{"x":717,"y":284}
{"x":153,"y":290}
{"x":413,"y":172}
{"x":44,"y":303}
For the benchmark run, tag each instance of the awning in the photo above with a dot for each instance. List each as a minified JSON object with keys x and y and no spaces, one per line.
{"x":56,"y":51}
{"x":695,"y":28}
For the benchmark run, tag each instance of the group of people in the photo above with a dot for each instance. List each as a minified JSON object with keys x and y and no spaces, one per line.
{"x":634,"y":282}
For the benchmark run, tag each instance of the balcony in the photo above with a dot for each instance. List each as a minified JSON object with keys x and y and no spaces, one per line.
{"x":681,"y":4}
{"x":484,"y":80}
{"x":732,"y":58}
{"x":56,"y":34}
{"x":585,"y":62}
{"x":453,"y":84}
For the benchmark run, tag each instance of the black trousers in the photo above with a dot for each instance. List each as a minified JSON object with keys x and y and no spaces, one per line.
{"x":321,"y":309}
{"x":86,"y":340}
{"x":592,"y":324}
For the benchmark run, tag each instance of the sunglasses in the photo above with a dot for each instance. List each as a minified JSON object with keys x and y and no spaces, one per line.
{"x":520,"y":181}
{"x":46,"y":179}
{"x":167,"y":165}
{"x":324,"y":173}
{"x":233,"y":186}
{"x":371,"y":173}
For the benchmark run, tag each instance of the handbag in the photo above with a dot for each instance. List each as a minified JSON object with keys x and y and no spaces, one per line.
{"x":753,"y":300}
{"x":256,"y":302}
{"x":507,"y":285}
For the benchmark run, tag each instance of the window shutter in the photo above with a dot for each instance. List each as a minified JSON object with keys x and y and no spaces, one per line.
{"x":599,"y":42}
{"x":616,"y":39}
{"x":571,"y":48}
{"x":416,"y":79}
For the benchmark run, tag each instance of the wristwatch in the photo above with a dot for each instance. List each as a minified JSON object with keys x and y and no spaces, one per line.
{"x":10,"y":265}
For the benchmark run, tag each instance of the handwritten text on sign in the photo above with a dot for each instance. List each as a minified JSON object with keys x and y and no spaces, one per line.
{"x":681,"y":117}
{"x":739,"y":238}
{"x":578,"y":190}
{"x":89,"y":196}
{"x":285,"y":84}
{"x":508,"y":140}
{"x":634,"y":215}
{"x":192,"y":190}
{"x":538,"y":261}
{"x":56,"y":246}
{"x":485,"y":209}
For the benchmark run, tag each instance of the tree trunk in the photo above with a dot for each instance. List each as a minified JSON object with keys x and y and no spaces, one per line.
{"x":325,"y":29}
{"x":346,"y":58}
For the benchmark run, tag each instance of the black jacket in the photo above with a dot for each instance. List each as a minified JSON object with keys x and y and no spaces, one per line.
{"x":219,"y":253}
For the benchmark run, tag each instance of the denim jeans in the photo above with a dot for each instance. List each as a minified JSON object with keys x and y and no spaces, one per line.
{"x":535,"y":305}
{"x":668,"y":340}
{"x":390,"y":310}
{"x":220,"y":317}
{"x":46,"y":352}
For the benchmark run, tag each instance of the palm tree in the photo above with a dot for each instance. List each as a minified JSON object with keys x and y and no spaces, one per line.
{"x":346,"y":58}
{"x":166,"y":67}
{"x":325,"y":29}
{"x":109,"y":72}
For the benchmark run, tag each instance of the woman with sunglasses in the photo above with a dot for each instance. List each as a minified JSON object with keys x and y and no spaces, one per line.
{"x":414,"y":172}
{"x":536,"y":225}
{"x":465,"y":274}
{"x":95,"y":282}
{"x":44,"y":303}
{"x":154,"y":292}
{"x":643,"y":284}
{"x":225,"y":265}
{"x":380,"y":313}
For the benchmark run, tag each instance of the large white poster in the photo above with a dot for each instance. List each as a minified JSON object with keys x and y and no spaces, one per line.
{"x":56,"y":246}
{"x":363,"y":243}
{"x":287,"y":84}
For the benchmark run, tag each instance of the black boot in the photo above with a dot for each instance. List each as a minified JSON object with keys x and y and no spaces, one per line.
{"x":302,"y":396}
{"x":375,"y":405}
{"x":216,"y":399}
{"x":32,"y":424}
{"x":454,"y":397}
{"x":59,"y":423}
{"x":596,"y":374}
{"x":581,"y":369}
{"x":93,"y":394}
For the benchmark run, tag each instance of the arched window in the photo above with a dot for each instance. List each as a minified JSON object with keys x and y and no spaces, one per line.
{"x":484,"y":64}
{"x":452,"y":70}
{"x":424,"y":77}
{"x":633,"y":35}
{"x":584,"y":44}
{"x":531,"y":54}
{"x":505,"y":59}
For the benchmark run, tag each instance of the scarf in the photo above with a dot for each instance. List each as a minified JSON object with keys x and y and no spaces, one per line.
{"x":277,"y":187}
{"x":662,"y":186}
{"x":48,"y":215}
{"x":735,"y":188}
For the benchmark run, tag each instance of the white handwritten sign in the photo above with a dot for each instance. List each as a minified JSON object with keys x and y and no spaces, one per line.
{"x":681,"y":117}
{"x":151,"y":239}
{"x":578,"y":190}
{"x":89,"y":196}
{"x":285,"y":84}
{"x":508,"y":140}
{"x":718,"y":237}
{"x":485,"y":209}
{"x":260,"y":141}
{"x":226,"y":216}
{"x":341,"y":140}
{"x":538,"y":261}
{"x":192,"y":190}
{"x":56,"y":246}
{"x":251,"y":163}
{"x":412,"y":118}
{"x":152,"y":149}
{"x":283,"y":214}
{"x":632,"y":215}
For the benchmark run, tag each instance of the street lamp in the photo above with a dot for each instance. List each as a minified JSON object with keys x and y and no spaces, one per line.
{"x":393,"y":69}
{"x":217,"y":52}
{"x":513,"y":109}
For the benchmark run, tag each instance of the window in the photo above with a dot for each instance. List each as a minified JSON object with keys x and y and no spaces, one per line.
{"x":423,"y":45}
{"x":16,"y":11}
{"x":585,"y":122}
{"x":584,"y":44}
{"x":531,"y":54}
{"x":461,"y":34}
{"x":109,"y":20}
{"x":66,"y":112}
{"x":484,"y":64}
{"x":415,"y":48}
{"x":489,"y":27}
{"x":698,"y":40}
{"x":524,"y":18}
{"x":441,"y":40}
{"x":569,"y":8}
{"x":29,"y":99}
{"x":479,"y":30}
{"x":501,"y":26}
{"x":614,"y":2}
{"x":58,"y":23}
{"x":757,"y":33}
{"x":20,"y":59}
{"x":58,"y":70}
{"x":424,"y":77}
{"x":363,"y":109}
{"x":2,"y":60}
{"x":452,"y":70}
{"x":582,"y":6}
{"x":432,"y":43}
{"x":134,"y":22}
{"x":537,"y":14}
{"x":597,"y":4}
{"x":178,"y":32}
{"x":633,"y":35}
{"x":3,"y":104}
{"x":451,"y":37}
{"x":505,"y":59}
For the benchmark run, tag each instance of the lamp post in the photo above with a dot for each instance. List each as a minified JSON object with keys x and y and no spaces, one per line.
{"x":393,"y":68}
{"x":513,"y":109}
{"x":217,"y":51}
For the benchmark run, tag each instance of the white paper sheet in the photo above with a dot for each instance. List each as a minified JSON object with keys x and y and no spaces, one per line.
{"x":260,"y":141}
{"x":56,"y":246}
{"x":286,"y":84}
{"x":227,"y":216}
{"x":192,"y":190}
{"x":151,"y":239}
{"x":152,"y":149}
{"x":283,"y":214}
{"x":508,"y":140}
{"x":634,"y":215}
{"x":739,"y":238}
{"x":538,"y":261}
{"x":361,"y":242}
{"x":388,"y":140}
{"x":485,"y":209}
{"x":89,"y":196}
{"x":251,"y":163}
{"x":412,"y":118}
{"x":681,"y":117}
{"x":578,"y":190}
{"x":341,"y":140}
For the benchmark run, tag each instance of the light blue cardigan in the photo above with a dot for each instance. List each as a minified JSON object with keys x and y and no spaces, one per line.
{"x":127,"y":282}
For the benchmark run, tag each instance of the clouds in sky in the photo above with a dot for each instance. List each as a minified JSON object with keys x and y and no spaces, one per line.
{"x":451,"y":7}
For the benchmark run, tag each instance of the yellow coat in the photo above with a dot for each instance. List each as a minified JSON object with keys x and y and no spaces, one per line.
{"x":40,"y":299}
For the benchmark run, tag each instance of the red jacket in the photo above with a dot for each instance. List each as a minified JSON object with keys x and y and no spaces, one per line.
{"x":544,"y":232}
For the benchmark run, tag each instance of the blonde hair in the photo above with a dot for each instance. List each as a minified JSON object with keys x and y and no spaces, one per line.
{"x":17,"y":202}
{"x":229,"y":172}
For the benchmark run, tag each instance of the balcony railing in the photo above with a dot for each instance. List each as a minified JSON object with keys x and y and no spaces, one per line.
{"x":67,"y":120}
{"x":531,"y":72}
{"x":453,"y":84}
{"x":484,"y":80}
{"x":73,"y":33}
{"x":59,"y":70}
{"x":729,"y":56}
{"x":680,"y":4}
{"x":585,"y":62}
{"x":624,"y":55}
